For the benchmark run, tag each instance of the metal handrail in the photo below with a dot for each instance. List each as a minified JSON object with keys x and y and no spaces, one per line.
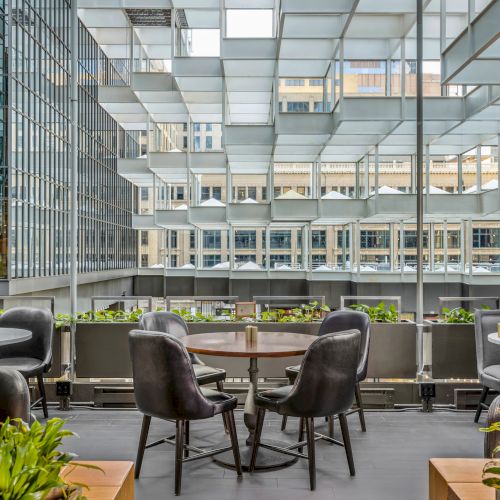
{"x":267,"y":299}
{"x":469,"y":299}
{"x":378,"y":298}
{"x":26,"y":298}
{"x":121,"y":298}
{"x":200,"y":298}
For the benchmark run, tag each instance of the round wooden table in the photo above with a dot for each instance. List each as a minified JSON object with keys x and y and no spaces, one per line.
{"x":13,"y":335}
{"x":268,"y":345}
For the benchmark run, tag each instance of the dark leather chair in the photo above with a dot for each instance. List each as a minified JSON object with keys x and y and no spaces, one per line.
{"x":324,"y":386}
{"x":14,"y":395}
{"x":488,"y":356}
{"x":173,"y":324}
{"x":338,"y":321}
{"x":33,"y":357}
{"x":166,"y":387}
{"x":492,"y":439}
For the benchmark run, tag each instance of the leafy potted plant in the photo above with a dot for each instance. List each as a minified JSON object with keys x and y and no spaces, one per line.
{"x":491,"y":469}
{"x":31,"y":464}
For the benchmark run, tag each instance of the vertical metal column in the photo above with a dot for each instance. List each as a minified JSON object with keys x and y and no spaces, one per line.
{"x":401,"y":247}
{"x":460,"y":174}
{"x":73,"y":279}
{"x":445,"y":248}
{"x":420,"y":196}
{"x":377,"y":170}
{"x":478,"y":168}
{"x":469,"y":246}
{"x":367,"y":176}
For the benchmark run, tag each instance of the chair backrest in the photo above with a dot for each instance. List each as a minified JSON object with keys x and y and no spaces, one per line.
{"x":327,"y":377}
{"x":14,"y":395}
{"x":164,"y":321}
{"x":487,"y":353}
{"x":164,"y":382}
{"x":40,"y":323}
{"x":346,"y":319}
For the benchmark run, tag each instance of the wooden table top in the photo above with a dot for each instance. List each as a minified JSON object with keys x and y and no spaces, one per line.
{"x":470,"y":491}
{"x":460,"y":470}
{"x":234,"y":344}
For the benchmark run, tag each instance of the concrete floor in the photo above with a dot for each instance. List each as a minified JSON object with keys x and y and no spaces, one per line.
{"x":391,"y":458}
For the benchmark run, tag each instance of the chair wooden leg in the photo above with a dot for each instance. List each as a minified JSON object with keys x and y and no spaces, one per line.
{"x":301,"y":433}
{"x":347,"y":443}
{"x":482,"y":399}
{"x":256,"y":437}
{"x":311,"y":452}
{"x":283,"y":422}
{"x":146,"y":420}
{"x":186,"y":437}
{"x":359,"y":403}
{"x":179,"y":445}
{"x":41,"y":388}
{"x":330,"y":426}
{"x":234,"y":441}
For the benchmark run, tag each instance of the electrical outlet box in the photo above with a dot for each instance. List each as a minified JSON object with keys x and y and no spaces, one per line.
{"x":427,"y":390}
{"x":63,"y":388}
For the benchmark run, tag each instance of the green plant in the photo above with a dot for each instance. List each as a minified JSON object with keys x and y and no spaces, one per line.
{"x":379,"y":313}
{"x":30,"y":462}
{"x":492,"y":468}
{"x":458,"y":315}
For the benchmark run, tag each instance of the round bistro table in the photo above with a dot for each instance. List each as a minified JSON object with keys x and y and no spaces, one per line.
{"x":268,"y":345}
{"x":13,"y":335}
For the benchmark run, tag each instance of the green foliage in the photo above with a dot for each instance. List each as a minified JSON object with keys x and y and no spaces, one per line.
{"x":379,"y":313}
{"x":458,"y":315}
{"x":492,"y":467}
{"x":30,"y":463}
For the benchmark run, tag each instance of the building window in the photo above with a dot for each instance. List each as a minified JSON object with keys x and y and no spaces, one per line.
{"x":264,"y":193}
{"x":208,"y":127}
{"x":294,"y":82}
{"x":208,"y":142}
{"x":197,"y":143}
{"x":340,"y":239}
{"x":281,"y":239}
{"x":144,"y":260}
{"x":245,"y":239}
{"x":196,"y":127}
{"x":317,"y":82}
{"x":180,"y":193}
{"x":192,"y":239}
{"x":144,"y":237}
{"x":173,"y":239}
{"x":212,"y":239}
{"x":280,"y":260}
{"x":374,"y":239}
{"x":144,"y":194}
{"x":211,"y":260}
{"x":241,"y":193}
{"x":245,"y":258}
{"x":205,"y":193}
{"x":192,"y":259}
{"x":319,"y":238}
{"x":173,"y":261}
{"x":217,"y":192}
{"x":319,"y":259}
{"x":318,"y":106}
{"x":411,"y":239}
{"x":323,"y":190}
{"x":252,"y":192}
{"x":297,"y":107}
{"x":485,"y":238}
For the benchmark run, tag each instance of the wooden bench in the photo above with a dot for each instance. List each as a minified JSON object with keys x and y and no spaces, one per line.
{"x":115,"y":483}
{"x":458,"y":479}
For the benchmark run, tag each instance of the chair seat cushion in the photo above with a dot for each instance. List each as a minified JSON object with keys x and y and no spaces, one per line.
{"x":292,"y":372}
{"x":272,"y":399}
{"x":223,"y":402}
{"x":208,"y":375}
{"x":28,"y":367}
{"x":490,"y":377}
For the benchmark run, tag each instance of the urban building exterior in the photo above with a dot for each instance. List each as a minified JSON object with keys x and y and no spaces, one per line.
{"x":36,"y":157}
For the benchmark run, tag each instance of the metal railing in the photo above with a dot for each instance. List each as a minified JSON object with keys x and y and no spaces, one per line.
{"x":121,"y":299}
{"x":443,"y":300}
{"x":287,"y":300}
{"x":29,"y":298}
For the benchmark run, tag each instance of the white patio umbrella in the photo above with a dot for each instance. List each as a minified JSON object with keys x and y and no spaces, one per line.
{"x":335,"y":195}
{"x":212,"y":202}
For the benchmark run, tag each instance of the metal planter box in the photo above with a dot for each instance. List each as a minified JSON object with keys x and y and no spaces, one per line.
{"x":453,"y":351}
{"x":393,"y":350}
{"x":102,"y":349}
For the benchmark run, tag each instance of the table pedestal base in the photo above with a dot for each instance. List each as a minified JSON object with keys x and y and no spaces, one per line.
{"x":266,"y":459}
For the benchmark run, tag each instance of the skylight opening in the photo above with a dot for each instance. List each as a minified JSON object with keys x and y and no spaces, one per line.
{"x":249,"y":23}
